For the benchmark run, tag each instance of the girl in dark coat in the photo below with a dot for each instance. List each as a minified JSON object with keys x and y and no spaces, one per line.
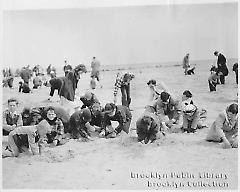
{"x":70,"y":82}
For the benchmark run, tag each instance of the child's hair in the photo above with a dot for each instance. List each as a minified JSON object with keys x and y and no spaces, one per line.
{"x":187,"y":93}
{"x":233,"y":108}
{"x":146,"y":120}
{"x":12,"y":100}
{"x":50,"y":108}
{"x":152,"y":81}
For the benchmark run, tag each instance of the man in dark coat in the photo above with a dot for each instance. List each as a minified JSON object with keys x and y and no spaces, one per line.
{"x":221,"y":66}
{"x":70,"y":82}
{"x":119,"y":113}
{"x":235,"y":69}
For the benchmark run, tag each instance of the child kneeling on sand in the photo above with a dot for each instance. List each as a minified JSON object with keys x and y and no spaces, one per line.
{"x":225,"y":127}
{"x":148,"y":128}
{"x":193,"y":116}
{"x":17,"y":142}
{"x":79,"y":124}
{"x":119,"y":113}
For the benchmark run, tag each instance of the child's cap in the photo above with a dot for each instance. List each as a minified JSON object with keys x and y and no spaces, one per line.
{"x":152,"y":81}
{"x":189,"y":108}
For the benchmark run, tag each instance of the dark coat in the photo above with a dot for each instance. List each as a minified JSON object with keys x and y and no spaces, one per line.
{"x":69,"y":86}
{"x":25,"y":74}
{"x":221,"y":63}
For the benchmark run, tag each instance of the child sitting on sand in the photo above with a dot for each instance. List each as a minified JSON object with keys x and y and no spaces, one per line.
{"x":17,"y":143}
{"x":57,"y":133}
{"x":225,"y":127}
{"x":11,"y":118}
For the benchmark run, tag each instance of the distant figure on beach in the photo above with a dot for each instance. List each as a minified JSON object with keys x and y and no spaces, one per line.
{"x":34,"y":140}
{"x":88,"y":99}
{"x":168,"y":110}
{"x":213,"y":79}
{"x":37,"y":81}
{"x":50,"y":69}
{"x":235,"y":69}
{"x":8,"y":78}
{"x":221,"y":66}
{"x":225,"y":128}
{"x":25,"y":74}
{"x":70,"y":82}
{"x":11,"y":117}
{"x":67,"y":68}
{"x":123,"y":82}
{"x":148,"y":128}
{"x":118,"y":113}
{"x":186,"y":65}
{"x":95,"y":73}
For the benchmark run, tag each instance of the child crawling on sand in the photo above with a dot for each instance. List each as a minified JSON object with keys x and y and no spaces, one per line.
{"x":25,"y":137}
{"x":225,"y":128}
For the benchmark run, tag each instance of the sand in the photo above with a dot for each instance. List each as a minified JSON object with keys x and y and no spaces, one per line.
{"x":179,"y":161}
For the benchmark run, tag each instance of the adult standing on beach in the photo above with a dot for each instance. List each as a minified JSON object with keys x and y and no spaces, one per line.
{"x":95,"y":65}
{"x":66,"y":68}
{"x":221,"y":66}
{"x":186,"y":63}
{"x":235,"y":69}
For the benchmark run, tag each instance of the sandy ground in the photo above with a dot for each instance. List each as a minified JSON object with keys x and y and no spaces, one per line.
{"x":180,"y":160}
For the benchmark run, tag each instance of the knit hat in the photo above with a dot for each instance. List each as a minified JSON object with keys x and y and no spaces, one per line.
{"x":187,"y":93}
{"x":215,"y":52}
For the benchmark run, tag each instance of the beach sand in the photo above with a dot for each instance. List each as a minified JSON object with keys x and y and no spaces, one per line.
{"x":180,"y":159}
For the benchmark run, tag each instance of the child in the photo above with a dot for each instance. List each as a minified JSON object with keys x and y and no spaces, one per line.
{"x":192,"y":113}
{"x":118,"y":113}
{"x":225,"y":127}
{"x":80,"y":124}
{"x":24,"y":88}
{"x":168,"y":110}
{"x":213,"y":79}
{"x":235,"y":69}
{"x":148,"y":128}
{"x":89,"y":99}
{"x":35,"y":136}
{"x":11,"y":118}
{"x":123,"y":82}
{"x":57,"y":133}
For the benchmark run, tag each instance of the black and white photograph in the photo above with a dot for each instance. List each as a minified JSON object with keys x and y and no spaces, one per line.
{"x":119,"y":95}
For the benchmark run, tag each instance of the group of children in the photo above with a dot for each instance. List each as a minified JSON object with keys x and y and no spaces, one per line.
{"x":43,"y":126}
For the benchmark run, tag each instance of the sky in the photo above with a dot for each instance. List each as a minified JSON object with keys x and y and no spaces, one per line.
{"x":117,"y":34}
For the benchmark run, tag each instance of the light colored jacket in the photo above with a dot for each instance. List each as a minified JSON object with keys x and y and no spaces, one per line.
{"x":31,"y":132}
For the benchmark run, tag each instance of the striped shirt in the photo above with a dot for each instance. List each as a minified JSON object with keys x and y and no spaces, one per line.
{"x":120,"y":82}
